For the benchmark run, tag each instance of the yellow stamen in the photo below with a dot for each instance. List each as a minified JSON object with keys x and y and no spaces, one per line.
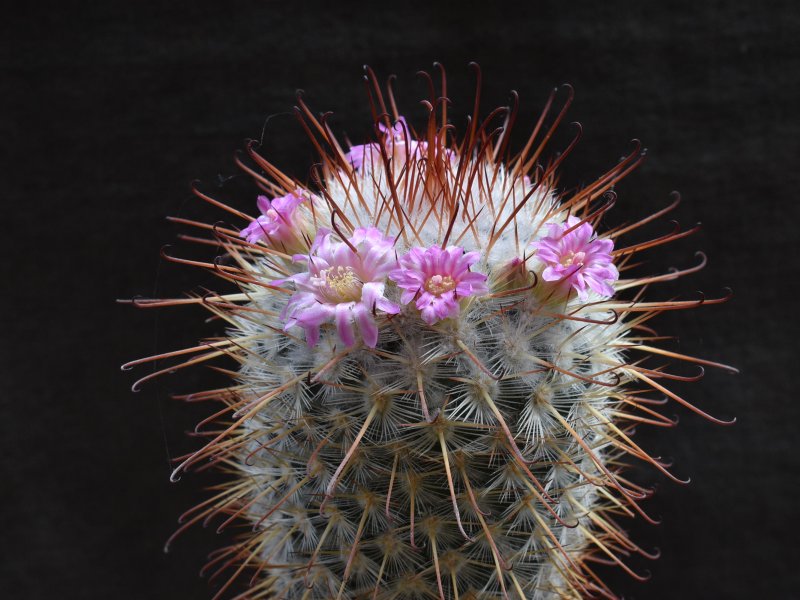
{"x":340,"y":283}
{"x":438,"y":285}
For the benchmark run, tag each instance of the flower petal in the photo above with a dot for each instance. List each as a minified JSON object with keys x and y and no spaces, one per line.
{"x":344,"y":324}
{"x":367,"y":325}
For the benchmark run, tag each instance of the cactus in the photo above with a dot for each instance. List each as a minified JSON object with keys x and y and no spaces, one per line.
{"x":437,"y":377}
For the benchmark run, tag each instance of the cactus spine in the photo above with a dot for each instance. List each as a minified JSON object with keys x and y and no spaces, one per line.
{"x":432,"y":397}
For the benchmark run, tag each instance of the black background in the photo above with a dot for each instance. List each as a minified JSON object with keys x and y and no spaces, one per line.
{"x":110,"y":109}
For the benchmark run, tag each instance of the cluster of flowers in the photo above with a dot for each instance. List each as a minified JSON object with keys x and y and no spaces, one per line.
{"x":345,"y":281}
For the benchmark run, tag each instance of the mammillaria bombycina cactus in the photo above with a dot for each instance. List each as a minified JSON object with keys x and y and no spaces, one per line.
{"x":438,"y":374}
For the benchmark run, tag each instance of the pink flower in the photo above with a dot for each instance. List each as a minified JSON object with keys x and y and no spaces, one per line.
{"x":399,"y":144}
{"x":358,"y":154}
{"x":400,"y":141}
{"x":342,"y":286}
{"x":437,"y":279}
{"x":278,"y":222}
{"x":577,"y":258}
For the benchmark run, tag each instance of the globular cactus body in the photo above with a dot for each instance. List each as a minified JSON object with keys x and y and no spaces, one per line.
{"x":431,"y":397}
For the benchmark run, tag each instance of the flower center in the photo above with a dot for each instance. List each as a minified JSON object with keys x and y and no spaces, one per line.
{"x":340,"y":284}
{"x":573,"y":258}
{"x":438,"y":285}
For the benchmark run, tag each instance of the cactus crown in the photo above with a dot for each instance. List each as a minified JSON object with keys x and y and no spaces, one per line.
{"x":432,"y":397}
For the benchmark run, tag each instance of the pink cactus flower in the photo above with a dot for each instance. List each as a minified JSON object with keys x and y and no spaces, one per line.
{"x":438,"y":278}
{"x":278,"y":223}
{"x":399,"y":144}
{"x":577,"y":258}
{"x":399,"y":139}
{"x":361,"y":152}
{"x":342,"y":286}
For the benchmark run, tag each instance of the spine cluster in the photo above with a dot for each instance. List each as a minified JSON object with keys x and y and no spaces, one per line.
{"x":437,"y":375}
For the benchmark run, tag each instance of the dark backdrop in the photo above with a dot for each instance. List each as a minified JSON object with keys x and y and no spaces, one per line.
{"x":109,"y":109}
